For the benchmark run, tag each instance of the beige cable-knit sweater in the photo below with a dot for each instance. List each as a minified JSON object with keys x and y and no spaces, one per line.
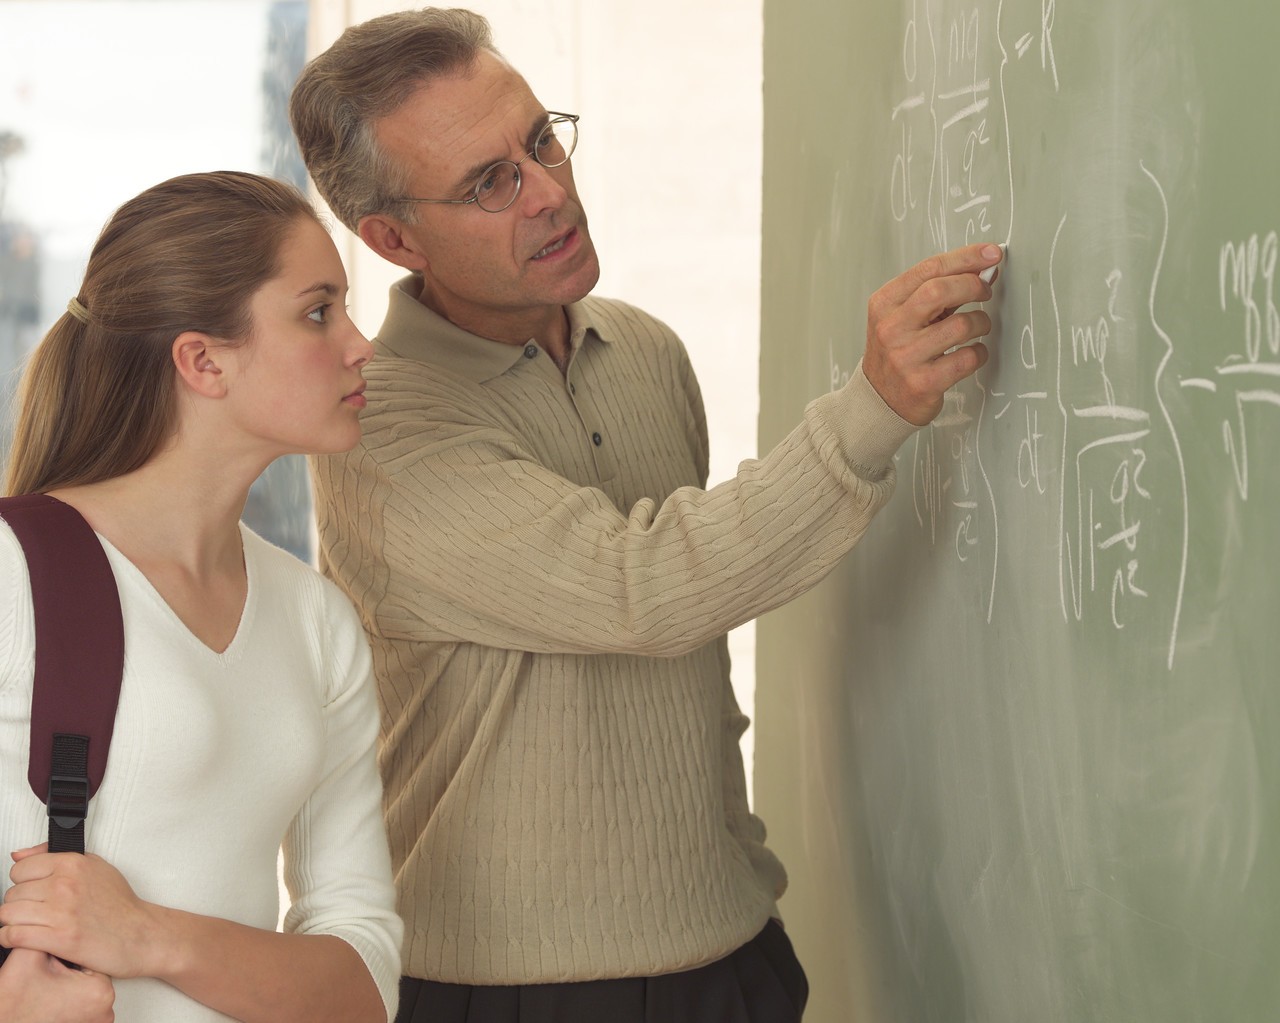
{"x":547,"y":586}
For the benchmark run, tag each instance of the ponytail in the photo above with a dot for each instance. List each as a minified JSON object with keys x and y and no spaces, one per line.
{"x":98,"y":396}
{"x":91,"y":406}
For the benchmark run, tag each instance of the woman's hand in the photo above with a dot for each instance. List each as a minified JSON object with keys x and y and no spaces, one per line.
{"x":36,"y":988}
{"x":78,"y":908}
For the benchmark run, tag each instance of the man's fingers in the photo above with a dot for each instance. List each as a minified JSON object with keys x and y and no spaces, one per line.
{"x":918,"y":396}
{"x":928,"y":343}
{"x":920,"y":338}
{"x":944,"y":373}
{"x":957,"y":329}
{"x":963,"y":362}
{"x":971,"y":259}
{"x":940,"y":297}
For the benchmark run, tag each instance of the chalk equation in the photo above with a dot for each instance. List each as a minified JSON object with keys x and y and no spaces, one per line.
{"x":1079,"y":418}
{"x":1251,"y":376}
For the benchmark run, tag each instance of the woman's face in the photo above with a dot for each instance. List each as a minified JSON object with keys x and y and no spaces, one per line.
{"x":296,"y":383}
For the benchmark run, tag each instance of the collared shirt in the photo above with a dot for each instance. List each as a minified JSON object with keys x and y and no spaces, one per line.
{"x":547,"y":584}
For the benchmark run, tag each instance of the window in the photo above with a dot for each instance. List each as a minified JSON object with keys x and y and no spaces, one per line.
{"x":100,"y":99}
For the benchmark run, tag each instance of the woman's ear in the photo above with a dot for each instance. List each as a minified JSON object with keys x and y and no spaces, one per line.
{"x":198,"y":361}
{"x":386,"y":237}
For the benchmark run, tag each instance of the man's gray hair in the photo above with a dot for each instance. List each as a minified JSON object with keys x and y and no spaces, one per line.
{"x":365,"y":76}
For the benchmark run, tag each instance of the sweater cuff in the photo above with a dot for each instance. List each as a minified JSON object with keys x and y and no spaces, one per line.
{"x":867,"y":430}
{"x":383,"y":968}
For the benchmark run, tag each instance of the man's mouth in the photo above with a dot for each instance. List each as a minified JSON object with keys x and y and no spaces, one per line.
{"x":555,"y":246}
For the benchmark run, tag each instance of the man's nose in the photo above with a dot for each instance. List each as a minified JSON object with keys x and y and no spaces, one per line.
{"x":540,"y":188}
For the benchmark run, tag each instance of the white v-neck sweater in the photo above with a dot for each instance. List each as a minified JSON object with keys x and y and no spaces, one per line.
{"x":218,"y":758}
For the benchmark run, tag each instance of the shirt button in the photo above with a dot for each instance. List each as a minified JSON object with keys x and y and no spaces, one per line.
{"x":572,"y":389}
{"x":596,"y":439}
{"x":530,"y":351}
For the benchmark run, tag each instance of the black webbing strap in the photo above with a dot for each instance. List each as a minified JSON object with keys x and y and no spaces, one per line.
{"x":68,"y":801}
{"x":79,"y":659}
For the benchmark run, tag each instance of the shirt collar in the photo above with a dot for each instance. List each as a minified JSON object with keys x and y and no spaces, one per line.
{"x":412,"y":331}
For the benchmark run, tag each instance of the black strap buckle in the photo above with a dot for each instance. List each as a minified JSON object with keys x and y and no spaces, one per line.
{"x":68,"y":800}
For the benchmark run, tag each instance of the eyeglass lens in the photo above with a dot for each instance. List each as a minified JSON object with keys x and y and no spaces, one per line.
{"x":500,"y":184}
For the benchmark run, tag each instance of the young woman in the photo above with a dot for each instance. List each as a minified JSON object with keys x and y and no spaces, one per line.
{"x":209,"y":337}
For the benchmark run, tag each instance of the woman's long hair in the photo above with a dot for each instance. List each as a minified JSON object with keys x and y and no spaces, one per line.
{"x":98,"y":396}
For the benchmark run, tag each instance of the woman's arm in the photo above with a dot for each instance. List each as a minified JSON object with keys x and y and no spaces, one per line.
{"x":339,"y":958}
{"x":36,"y":988}
{"x":80,"y":908}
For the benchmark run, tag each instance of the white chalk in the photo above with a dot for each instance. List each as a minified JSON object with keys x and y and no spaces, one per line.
{"x":989,"y":274}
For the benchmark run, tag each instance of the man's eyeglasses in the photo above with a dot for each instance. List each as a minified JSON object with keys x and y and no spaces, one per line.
{"x":499,"y":184}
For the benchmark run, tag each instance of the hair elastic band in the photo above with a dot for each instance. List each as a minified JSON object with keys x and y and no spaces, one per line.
{"x":77,"y":309}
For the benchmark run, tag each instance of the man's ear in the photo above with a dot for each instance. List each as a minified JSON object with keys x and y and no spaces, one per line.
{"x":198,"y":361}
{"x":386,"y":237}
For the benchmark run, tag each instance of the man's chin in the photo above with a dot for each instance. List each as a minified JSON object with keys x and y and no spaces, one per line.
{"x":579,"y":283}
{"x":594,"y":278}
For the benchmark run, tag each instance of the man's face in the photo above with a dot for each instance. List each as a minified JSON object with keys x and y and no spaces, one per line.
{"x":490,"y":273}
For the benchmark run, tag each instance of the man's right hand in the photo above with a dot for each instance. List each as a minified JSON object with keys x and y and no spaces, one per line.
{"x":917,"y":344}
{"x":37,"y":988}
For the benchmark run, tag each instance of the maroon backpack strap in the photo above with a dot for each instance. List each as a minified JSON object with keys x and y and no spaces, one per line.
{"x":79,"y":656}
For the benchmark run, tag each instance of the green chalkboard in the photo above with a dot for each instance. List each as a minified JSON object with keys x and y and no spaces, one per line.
{"x":1021,"y":752}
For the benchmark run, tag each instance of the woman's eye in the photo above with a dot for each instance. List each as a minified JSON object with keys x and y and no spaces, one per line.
{"x":320,"y":314}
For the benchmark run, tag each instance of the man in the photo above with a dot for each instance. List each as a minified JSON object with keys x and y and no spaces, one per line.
{"x":545,"y":583}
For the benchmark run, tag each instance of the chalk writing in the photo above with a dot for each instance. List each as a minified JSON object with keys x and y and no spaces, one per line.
{"x":1064,"y":415}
